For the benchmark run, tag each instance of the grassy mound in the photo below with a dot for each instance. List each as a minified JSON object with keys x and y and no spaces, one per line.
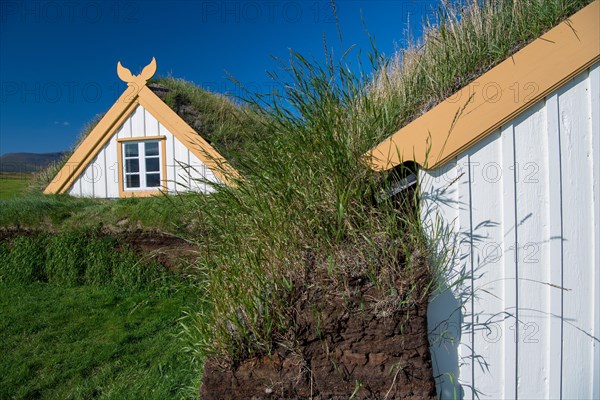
{"x":77,"y":257}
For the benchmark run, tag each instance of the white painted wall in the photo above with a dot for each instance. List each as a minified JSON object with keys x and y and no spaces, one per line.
{"x":185,"y":172}
{"x":520,"y":317}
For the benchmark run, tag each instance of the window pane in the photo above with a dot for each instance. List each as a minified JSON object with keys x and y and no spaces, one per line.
{"x":132,"y":165}
{"x":132,"y":181}
{"x":151,"y":148}
{"x":131,"y":150}
{"x":152,"y":165}
{"x":152,"y":180}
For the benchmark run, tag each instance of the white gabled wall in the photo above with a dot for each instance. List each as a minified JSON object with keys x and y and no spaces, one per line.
{"x":185,"y":171}
{"x":521,"y":317}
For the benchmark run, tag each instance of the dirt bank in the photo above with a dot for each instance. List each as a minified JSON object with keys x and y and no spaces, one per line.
{"x":347,"y":348}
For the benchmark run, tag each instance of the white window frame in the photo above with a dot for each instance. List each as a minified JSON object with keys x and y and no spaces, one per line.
{"x":141,"y":157}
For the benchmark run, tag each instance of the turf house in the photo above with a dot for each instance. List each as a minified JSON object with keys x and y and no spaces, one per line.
{"x":141,"y":147}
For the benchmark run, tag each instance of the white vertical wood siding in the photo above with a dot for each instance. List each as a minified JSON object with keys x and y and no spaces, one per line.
{"x":185,"y":172}
{"x":520,"y":314}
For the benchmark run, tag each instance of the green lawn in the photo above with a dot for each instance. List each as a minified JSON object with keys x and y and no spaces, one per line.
{"x":13,"y":184}
{"x":93,"y":342}
{"x":165,"y":213}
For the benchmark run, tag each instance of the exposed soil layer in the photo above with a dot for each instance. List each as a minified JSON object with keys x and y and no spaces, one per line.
{"x":344,"y":352}
{"x":171,"y":251}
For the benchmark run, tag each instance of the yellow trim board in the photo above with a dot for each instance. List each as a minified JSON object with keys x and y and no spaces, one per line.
{"x":496,"y":97}
{"x":137,"y":93}
{"x":141,"y":193}
{"x":163,"y":148}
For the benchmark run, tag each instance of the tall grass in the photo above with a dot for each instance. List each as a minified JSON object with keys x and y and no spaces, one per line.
{"x":304,"y":216}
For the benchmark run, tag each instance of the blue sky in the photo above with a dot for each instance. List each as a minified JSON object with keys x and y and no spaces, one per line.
{"x":58,"y":58}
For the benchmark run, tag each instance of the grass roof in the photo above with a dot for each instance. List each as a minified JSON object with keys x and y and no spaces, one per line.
{"x":217,"y":118}
{"x":462,"y":42}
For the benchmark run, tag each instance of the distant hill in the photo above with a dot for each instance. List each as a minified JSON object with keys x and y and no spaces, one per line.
{"x":27,"y":162}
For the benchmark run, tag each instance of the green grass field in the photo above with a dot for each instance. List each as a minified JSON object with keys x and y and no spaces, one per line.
{"x":12,"y":185}
{"x":83,"y":316}
{"x":93,"y":342}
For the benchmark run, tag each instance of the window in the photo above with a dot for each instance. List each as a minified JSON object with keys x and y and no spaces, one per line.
{"x":142,"y":165}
